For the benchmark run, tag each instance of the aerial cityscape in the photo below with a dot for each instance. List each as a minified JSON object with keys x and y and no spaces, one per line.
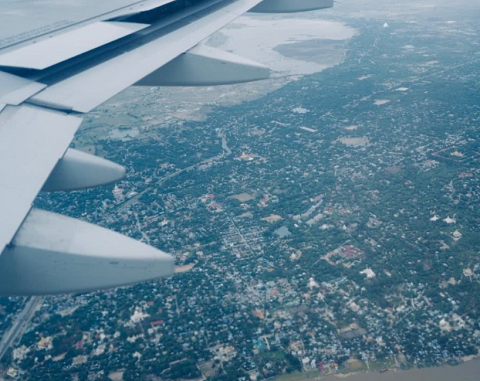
{"x":325,"y":221}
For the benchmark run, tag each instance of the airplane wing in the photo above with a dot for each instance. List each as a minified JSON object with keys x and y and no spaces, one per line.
{"x":60,"y":60}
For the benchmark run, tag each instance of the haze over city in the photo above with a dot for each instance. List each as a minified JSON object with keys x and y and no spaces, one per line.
{"x":324,"y":222}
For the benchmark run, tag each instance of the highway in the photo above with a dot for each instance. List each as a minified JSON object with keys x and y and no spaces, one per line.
{"x":19,"y":324}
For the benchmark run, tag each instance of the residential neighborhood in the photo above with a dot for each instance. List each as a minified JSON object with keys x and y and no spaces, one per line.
{"x":330,"y":226}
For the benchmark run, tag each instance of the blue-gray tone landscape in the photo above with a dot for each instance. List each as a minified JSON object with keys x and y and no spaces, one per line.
{"x":325,"y":221}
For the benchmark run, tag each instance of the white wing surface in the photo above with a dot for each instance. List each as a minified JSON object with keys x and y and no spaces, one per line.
{"x":59,"y":60}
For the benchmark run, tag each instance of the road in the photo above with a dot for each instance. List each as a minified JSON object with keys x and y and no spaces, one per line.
{"x":19,"y":324}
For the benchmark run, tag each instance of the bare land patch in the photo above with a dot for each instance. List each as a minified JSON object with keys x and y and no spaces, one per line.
{"x":273,"y":218}
{"x":184,"y":268}
{"x":243,"y":197}
{"x":355,"y":142}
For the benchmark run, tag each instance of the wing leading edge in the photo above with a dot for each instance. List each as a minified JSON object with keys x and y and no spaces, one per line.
{"x":72,"y":68}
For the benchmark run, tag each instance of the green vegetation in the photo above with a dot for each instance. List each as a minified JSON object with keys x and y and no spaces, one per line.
{"x":383,"y":260}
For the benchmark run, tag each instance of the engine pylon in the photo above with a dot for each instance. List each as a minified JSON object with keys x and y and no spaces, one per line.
{"x":291,"y":6}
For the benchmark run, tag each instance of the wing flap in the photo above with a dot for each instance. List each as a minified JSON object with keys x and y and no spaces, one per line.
{"x":32,"y":141}
{"x":14,"y":90}
{"x":80,"y":92}
{"x":57,"y":49}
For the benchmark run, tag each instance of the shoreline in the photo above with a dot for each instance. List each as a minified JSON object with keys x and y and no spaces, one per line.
{"x":465,"y":371}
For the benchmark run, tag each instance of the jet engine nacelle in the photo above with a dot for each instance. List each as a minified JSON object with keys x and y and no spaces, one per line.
{"x":79,"y":170}
{"x":206,"y":66}
{"x":54,"y":254}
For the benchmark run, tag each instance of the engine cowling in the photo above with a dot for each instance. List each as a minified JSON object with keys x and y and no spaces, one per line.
{"x":54,"y":254}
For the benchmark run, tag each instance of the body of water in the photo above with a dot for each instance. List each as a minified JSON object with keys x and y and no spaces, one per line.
{"x":467,"y":371}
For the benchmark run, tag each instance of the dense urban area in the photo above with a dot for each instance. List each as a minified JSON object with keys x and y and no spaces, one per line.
{"x":329,"y":226}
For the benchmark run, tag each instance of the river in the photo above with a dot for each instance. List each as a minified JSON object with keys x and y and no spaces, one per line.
{"x":467,"y":371}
